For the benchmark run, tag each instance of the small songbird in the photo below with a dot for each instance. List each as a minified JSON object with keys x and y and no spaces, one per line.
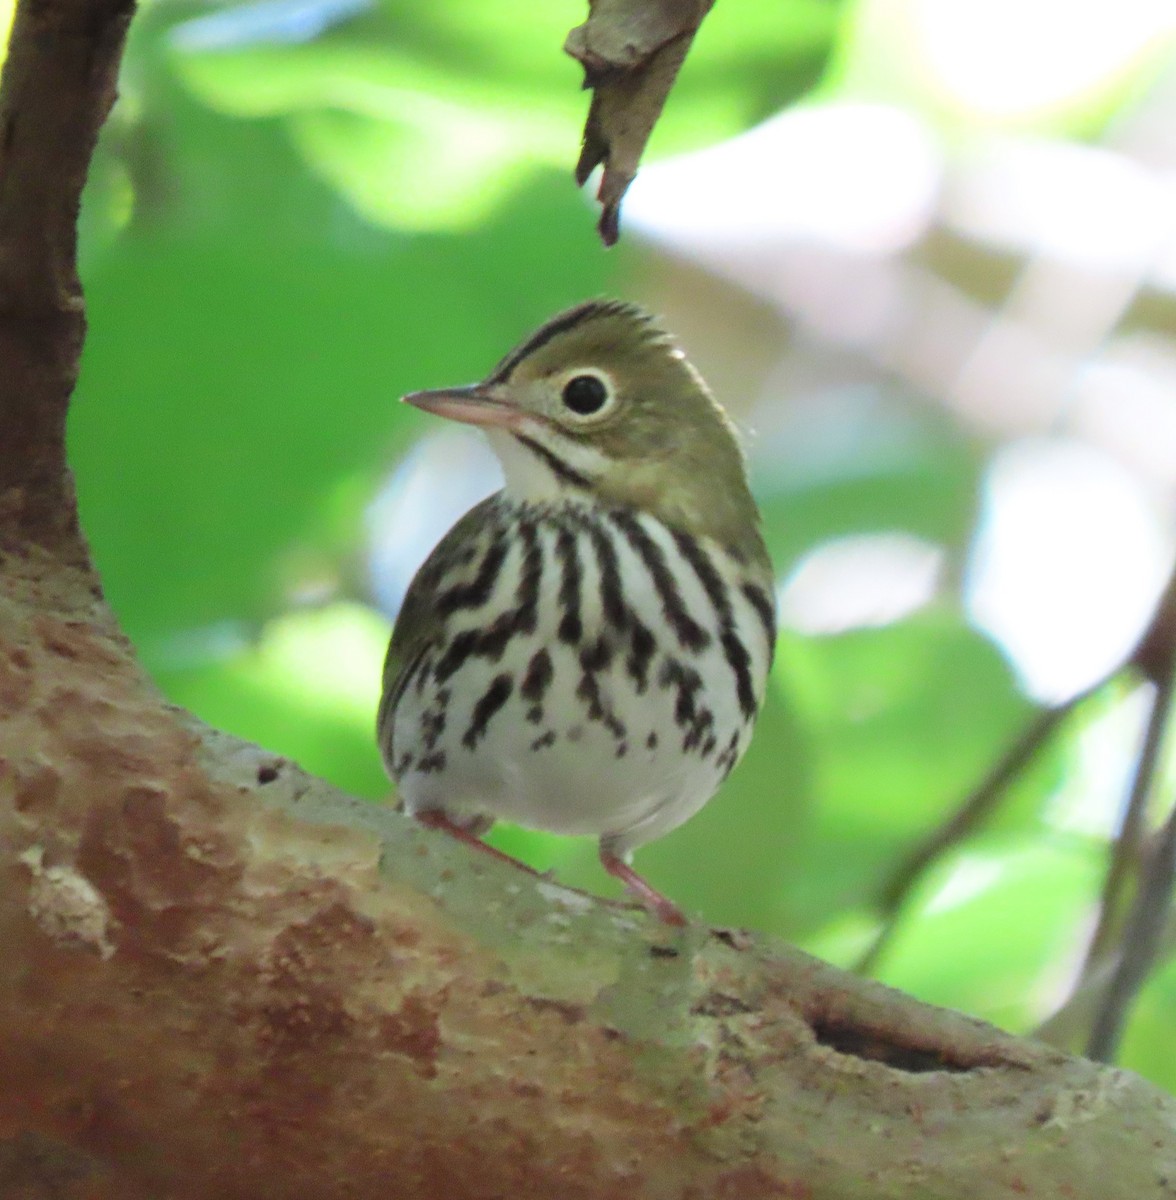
{"x":585,"y":651}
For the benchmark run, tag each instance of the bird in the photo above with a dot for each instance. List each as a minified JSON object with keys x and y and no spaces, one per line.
{"x":586,"y":650}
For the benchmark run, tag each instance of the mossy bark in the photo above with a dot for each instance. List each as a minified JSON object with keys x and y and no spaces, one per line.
{"x":222,"y":978}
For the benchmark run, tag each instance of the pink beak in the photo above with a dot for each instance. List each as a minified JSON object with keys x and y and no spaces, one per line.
{"x":475,"y":404}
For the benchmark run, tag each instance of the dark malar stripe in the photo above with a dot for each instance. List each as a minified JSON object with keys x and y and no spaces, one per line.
{"x":688,"y":631}
{"x":716,"y":589}
{"x":571,"y":627}
{"x":489,"y":702}
{"x":560,"y":469}
{"x":764,"y":609}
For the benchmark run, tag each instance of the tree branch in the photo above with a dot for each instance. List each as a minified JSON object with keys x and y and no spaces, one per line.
{"x":968,"y":816}
{"x":221,"y":978}
{"x":57,"y":86}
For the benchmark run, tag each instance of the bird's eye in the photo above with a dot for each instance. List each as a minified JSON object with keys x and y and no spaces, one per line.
{"x":586,"y":394}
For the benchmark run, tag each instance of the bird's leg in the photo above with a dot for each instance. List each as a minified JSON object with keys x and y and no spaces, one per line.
{"x":663,"y":908}
{"x":434,"y":819}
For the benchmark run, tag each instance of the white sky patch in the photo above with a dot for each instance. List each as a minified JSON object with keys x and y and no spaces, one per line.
{"x":1005,"y":58}
{"x":864,"y":580}
{"x":1086,"y":205}
{"x":439,"y":480}
{"x":862,"y":176}
{"x":1068,"y":562}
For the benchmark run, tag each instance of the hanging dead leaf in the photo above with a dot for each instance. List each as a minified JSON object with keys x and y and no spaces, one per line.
{"x":631,"y":51}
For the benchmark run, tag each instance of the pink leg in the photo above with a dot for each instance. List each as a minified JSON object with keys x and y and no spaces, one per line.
{"x":664,"y":909}
{"x":438,"y":820}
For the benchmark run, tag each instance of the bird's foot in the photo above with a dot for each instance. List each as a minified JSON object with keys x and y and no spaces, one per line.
{"x":661,"y":906}
{"x":438,"y":820}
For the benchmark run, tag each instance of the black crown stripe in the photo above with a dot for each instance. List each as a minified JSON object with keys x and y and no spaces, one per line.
{"x":562,"y":323}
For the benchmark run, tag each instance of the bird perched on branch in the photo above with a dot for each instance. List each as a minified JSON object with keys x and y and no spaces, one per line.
{"x":585,"y":651}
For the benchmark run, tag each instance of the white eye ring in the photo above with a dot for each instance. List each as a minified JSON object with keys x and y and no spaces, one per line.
{"x":586,"y":393}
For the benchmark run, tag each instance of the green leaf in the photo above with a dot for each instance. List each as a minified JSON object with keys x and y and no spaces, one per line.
{"x":876,"y":462}
{"x":307,"y":689}
{"x":996,"y":928}
{"x":901,"y":723}
{"x":426,"y":116}
{"x":1147,"y":1040}
{"x":251,"y":336}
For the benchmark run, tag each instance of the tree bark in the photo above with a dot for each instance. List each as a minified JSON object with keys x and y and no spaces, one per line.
{"x":222,"y":978}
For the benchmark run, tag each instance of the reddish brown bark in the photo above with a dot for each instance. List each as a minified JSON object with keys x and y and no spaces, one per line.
{"x":220,"y":978}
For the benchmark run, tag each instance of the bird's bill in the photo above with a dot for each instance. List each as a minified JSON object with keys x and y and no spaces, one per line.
{"x":476,"y":404}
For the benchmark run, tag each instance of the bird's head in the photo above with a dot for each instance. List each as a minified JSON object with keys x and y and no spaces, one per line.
{"x":600,"y":401}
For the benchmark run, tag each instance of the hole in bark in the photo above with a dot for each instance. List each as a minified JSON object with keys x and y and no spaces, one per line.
{"x":885,"y":1046}
{"x":268,"y":772}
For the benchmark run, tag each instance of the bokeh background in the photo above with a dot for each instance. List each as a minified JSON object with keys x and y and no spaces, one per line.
{"x":925,"y":252}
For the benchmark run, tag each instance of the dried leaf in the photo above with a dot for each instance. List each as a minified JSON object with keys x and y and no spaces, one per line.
{"x":631,"y":51}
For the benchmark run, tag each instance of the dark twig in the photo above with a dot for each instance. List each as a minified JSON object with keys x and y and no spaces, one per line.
{"x":1094,"y":978}
{"x":1142,"y":939}
{"x":1069,"y":1025}
{"x":975,"y":809}
{"x":1138,"y":935}
{"x":1125,"y":854}
{"x":1142,"y":931}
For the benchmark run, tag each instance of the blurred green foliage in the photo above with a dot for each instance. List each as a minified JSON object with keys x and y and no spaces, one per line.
{"x":281,"y":237}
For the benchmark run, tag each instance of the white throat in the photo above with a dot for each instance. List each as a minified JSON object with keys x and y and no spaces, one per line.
{"x":530,"y":476}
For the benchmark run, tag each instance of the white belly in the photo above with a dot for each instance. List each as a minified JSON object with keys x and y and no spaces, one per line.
{"x":621,"y":740}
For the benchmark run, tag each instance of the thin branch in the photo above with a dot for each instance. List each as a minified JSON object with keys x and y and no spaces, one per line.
{"x":1070,"y":1025}
{"x":1125,"y":853}
{"x":1142,"y":941}
{"x":221,"y":978}
{"x":976,"y":807}
{"x":1073,"y":1021}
